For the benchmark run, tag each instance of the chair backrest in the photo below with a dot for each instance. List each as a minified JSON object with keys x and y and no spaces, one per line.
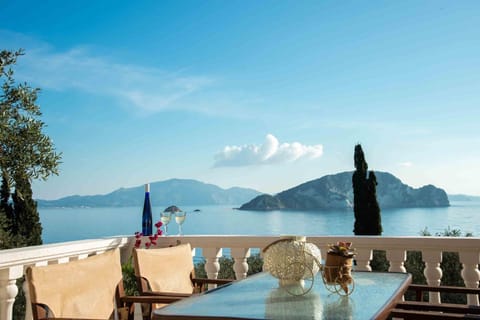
{"x":83,"y":288}
{"x":166,"y":269}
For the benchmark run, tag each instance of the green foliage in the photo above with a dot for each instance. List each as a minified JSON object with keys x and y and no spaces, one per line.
{"x":129,"y":280}
{"x":255,"y":264}
{"x":24,"y":147}
{"x":415,"y":265}
{"x":379,"y":261}
{"x":365,"y":204}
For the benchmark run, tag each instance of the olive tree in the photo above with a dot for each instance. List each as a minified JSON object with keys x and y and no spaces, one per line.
{"x":26,"y":152}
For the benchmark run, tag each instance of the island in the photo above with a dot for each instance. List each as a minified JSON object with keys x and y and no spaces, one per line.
{"x":335,"y":192}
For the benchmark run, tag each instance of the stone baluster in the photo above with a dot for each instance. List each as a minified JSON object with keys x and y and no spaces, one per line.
{"x":397,"y":259}
{"x":240,"y":266}
{"x":470,"y":273}
{"x":432,"y":272}
{"x":212,"y":266}
{"x":362,"y":259}
{"x":8,"y":290}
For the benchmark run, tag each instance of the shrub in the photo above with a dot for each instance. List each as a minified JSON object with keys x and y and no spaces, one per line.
{"x":129,"y":280}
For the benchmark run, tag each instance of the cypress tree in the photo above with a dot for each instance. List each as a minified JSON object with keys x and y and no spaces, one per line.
{"x":5,"y":238}
{"x":5,"y":203}
{"x":6,"y":214}
{"x":25,"y":208}
{"x":375,"y":225}
{"x":365,"y":205}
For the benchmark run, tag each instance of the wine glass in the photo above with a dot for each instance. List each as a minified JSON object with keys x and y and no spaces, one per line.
{"x":179,"y":219}
{"x":165,"y":217}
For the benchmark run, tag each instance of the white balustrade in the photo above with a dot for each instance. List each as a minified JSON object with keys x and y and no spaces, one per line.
{"x":14,"y":261}
{"x":240,"y":265}
{"x":470,"y":273}
{"x":432,"y":272}
{"x":212,"y":266}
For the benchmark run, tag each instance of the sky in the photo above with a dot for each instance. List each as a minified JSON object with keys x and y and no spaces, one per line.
{"x":258,"y":94}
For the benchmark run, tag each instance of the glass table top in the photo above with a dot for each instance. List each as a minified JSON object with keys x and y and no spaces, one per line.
{"x":260,"y":297}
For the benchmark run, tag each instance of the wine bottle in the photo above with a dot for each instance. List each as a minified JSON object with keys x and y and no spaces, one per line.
{"x":147,"y":213}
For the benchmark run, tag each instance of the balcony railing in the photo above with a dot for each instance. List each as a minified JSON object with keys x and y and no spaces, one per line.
{"x":14,"y":261}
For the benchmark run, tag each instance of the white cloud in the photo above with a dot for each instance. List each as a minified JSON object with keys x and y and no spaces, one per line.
{"x":270,"y":152}
{"x":82,"y":68}
{"x":407,"y":164}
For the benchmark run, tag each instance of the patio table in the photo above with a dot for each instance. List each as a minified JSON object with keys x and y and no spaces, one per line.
{"x":260,"y":297}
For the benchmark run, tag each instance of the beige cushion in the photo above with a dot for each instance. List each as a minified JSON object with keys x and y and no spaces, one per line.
{"x":78,"y":289}
{"x":166,"y":269}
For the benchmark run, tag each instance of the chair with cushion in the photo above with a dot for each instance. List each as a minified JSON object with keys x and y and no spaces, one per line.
{"x":168,"y":272}
{"x":90,"y":288}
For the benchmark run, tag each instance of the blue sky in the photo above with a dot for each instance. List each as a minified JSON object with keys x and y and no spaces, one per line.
{"x":260,"y":94}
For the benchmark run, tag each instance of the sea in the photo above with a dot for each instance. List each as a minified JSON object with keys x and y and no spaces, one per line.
{"x":68,"y":224}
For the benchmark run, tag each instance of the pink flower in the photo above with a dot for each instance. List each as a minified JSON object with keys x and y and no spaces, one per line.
{"x":138,"y":242}
{"x":153,"y":238}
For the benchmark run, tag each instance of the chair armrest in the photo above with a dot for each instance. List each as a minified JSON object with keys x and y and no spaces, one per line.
{"x":166,"y":294}
{"x":452,"y":289}
{"x":428,"y":315}
{"x":442,"y":307}
{"x":421,"y":288}
{"x":66,"y":319}
{"x":211,"y":281}
{"x":150,"y":299}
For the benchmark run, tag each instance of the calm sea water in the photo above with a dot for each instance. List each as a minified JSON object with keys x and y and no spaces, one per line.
{"x":66,"y":224}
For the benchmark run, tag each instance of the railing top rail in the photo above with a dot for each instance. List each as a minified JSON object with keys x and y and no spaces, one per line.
{"x":34,"y":254}
{"x":410,"y":243}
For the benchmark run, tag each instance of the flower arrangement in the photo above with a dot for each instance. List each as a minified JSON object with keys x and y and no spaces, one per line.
{"x":343,"y":249}
{"x":152,"y":240}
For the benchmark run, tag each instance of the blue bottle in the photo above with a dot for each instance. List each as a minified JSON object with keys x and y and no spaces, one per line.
{"x":147,"y":213}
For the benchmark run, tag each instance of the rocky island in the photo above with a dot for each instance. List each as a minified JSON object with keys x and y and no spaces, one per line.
{"x":335,"y":192}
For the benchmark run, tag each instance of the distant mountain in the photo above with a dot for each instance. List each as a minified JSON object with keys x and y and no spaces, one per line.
{"x":174,"y":191}
{"x":463,"y":197}
{"x":335,"y":192}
